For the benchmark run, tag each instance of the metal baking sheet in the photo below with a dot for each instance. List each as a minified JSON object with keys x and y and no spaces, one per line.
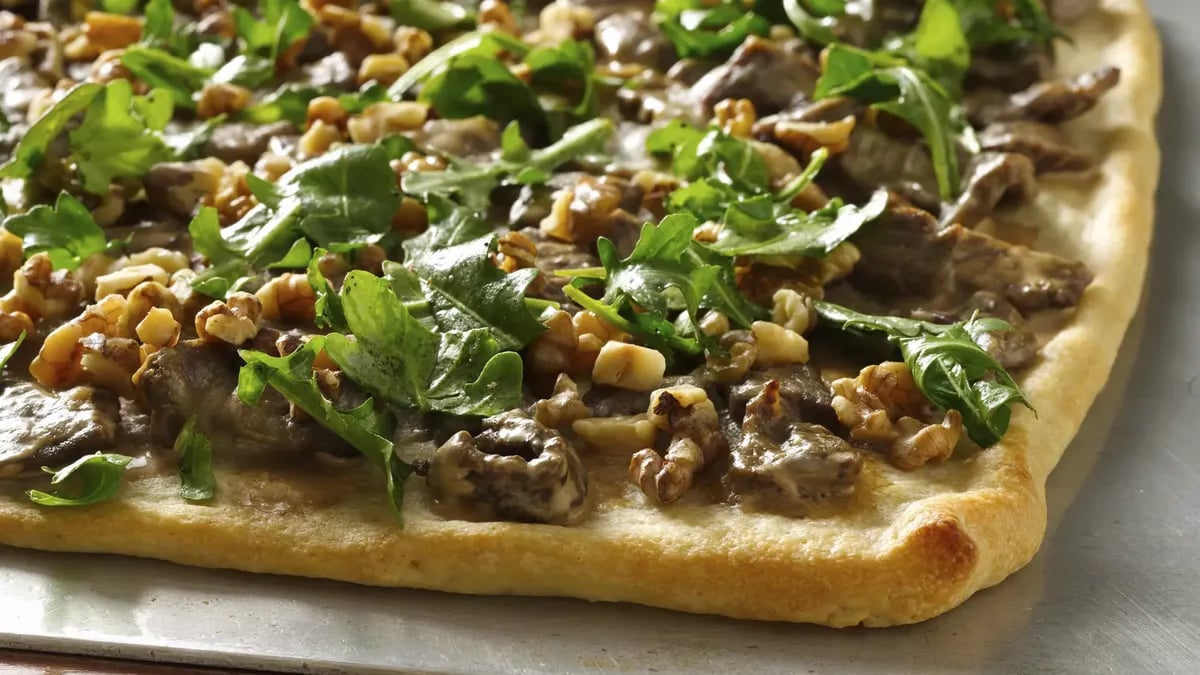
{"x":1114,"y":589}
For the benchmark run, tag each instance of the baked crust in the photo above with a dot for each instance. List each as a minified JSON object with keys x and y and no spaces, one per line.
{"x":909,"y":547}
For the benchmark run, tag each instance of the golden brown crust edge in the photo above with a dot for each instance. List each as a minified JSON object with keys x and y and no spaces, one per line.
{"x":908,"y":555}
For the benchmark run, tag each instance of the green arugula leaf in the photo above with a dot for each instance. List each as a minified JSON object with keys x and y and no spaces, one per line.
{"x":949,"y":366}
{"x":290,"y":102}
{"x":488,"y":44}
{"x":476,"y":181}
{"x":434,"y":16}
{"x":283,"y":24}
{"x":363,"y":428}
{"x":450,"y":224}
{"x":938,"y":46}
{"x":67,"y":232}
{"x":698,"y":28}
{"x":395,"y":357}
{"x":475,"y":84}
{"x":562,"y":77}
{"x":329,"y":311}
{"x":899,"y":90}
{"x":99,"y":479}
{"x":196,"y":480}
{"x":162,"y":70}
{"x":991,"y":22}
{"x":466,"y":291}
{"x":761,"y":227}
{"x":119,"y":136}
{"x":7,"y":351}
{"x":32,"y":147}
{"x":816,"y":24}
{"x":666,"y":272}
{"x":347,"y":195}
{"x":710,"y":154}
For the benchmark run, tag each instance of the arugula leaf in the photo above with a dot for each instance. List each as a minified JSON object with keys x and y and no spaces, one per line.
{"x":119,"y":135}
{"x":710,"y":154}
{"x":196,"y":480}
{"x":899,"y":90}
{"x":99,"y":477}
{"x":562,"y":77}
{"x":475,"y":84}
{"x":476,"y":181}
{"x":290,"y":102}
{"x":32,"y":147}
{"x":7,"y":351}
{"x":991,"y":22}
{"x":363,"y":428}
{"x":818,"y":24}
{"x":938,"y":46}
{"x":450,"y":224}
{"x":698,"y":28}
{"x":764,"y":228}
{"x":395,"y":357}
{"x":431,"y":15}
{"x":666,"y":271}
{"x":466,"y":291}
{"x":949,"y":366}
{"x":489,"y":44}
{"x":264,"y":42}
{"x":67,"y":232}
{"x":162,"y":70}
{"x":347,"y":195}
{"x":329,"y":312}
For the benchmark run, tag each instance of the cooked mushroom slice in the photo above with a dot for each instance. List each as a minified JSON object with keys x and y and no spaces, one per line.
{"x":696,"y":441}
{"x":42,"y":429}
{"x":991,"y":178}
{"x":515,"y":469}
{"x":1053,"y":101}
{"x":771,"y":75}
{"x":782,"y":464}
{"x":883,"y":406}
{"x":1047,"y":146}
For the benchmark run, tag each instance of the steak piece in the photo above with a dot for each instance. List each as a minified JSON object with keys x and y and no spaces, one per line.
{"x":1052,"y":101}
{"x":633,"y":37}
{"x":1030,"y":280}
{"x":875,"y":159}
{"x":200,"y":379}
{"x":902,"y":255}
{"x":1047,"y":146}
{"x":39,"y":428}
{"x":991,"y":178}
{"x":772,"y":76}
{"x":243,"y":141}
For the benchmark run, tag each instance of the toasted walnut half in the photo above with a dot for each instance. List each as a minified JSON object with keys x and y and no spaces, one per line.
{"x":884,"y":406}
{"x":687,"y":414}
{"x":515,"y":469}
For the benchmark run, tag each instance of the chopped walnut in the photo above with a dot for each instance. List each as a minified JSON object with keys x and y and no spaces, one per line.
{"x":883,"y":406}
{"x":696,"y":441}
{"x":233,"y":321}
{"x":563,"y":407}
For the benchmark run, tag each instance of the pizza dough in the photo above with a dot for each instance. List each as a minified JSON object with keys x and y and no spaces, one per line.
{"x":910,"y":545}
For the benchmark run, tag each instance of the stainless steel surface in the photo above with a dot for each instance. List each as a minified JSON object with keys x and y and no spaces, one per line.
{"x":1114,"y":589}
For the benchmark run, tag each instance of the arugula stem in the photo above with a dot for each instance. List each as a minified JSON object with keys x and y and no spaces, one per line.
{"x":442,"y":55}
{"x":788,"y":192}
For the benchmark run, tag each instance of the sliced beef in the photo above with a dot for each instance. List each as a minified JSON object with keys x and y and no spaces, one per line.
{"x":875,"y":158}
{"x":1014,"y":348}
{"x":902,"y":255}
{"x":1030,"y":280}
{"x":1046,"y":146}
{"x":553,"y":255}
{"x":802,"y":391}
{"x":177,"y":187}
{"x":1052,"y":102}
{"x":244,"y":141}
{"x":992,"y":177}
{"x":200,"y":379}
{"x":1008,"y":67}
{"x":773,"y":76}
{"x":334,"y":70}
{"x":40,"y":428}
{"x":633,"y":37}
{"x":782,"y":464}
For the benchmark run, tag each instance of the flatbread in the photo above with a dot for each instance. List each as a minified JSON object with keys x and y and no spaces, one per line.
{"x":910,"y":546}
